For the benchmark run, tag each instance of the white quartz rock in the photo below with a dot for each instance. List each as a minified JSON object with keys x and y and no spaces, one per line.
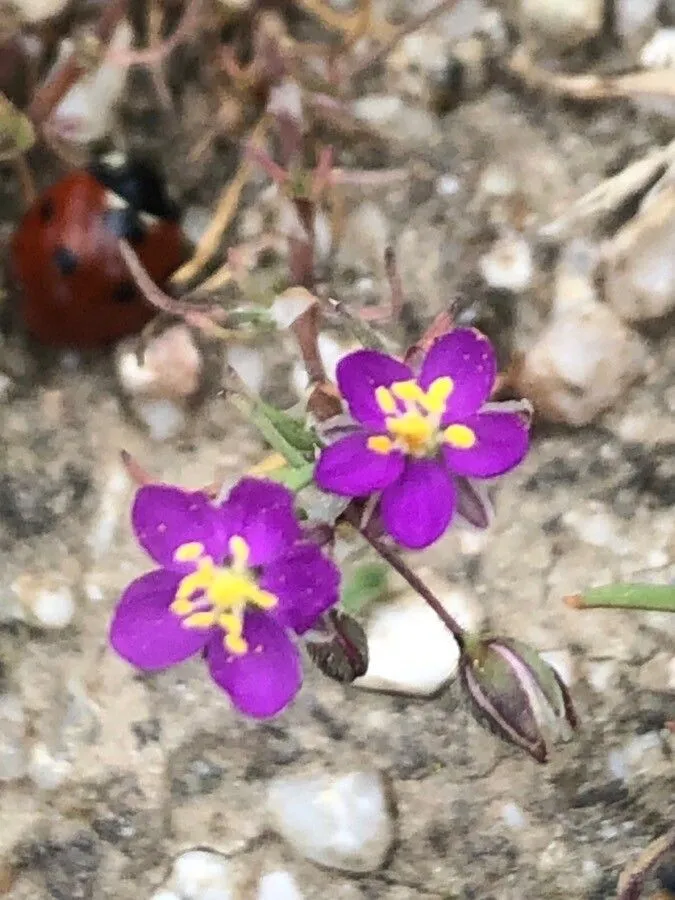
{"x":340,"y":821}
{"x":410,"y":650}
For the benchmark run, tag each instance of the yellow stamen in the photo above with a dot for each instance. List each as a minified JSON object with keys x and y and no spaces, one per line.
{"x":202,"y":619}
{"x":459,"y":436}
{"x":189,"y":552}
{"x":408,"y":391}
{"x":413,"y":431}
{"x":380,"y":443}
{"x":385,"y":400}
{"x":224,"y":592}
{"x":436,"y":397}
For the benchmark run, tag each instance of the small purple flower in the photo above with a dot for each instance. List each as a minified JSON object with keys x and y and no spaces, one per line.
{"x":234,"y":580}
{"x":418,"y":431}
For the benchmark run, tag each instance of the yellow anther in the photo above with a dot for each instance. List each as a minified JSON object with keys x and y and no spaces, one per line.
{"x":181,"y":606}
{"x":380,"y":443}
{"x":232,"y":625}
{"x":385,"y":400}
{"x":201,"y":619}
{"x":436,"y":397}
{"x":188,"y":552}
{"x":198,"y":580}
{"x":460,"y":437}
{"x":408,"y":391}
{"x":240,"y":552}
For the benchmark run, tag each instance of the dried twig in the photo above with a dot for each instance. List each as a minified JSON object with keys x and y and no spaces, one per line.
{"x":634,"y":877}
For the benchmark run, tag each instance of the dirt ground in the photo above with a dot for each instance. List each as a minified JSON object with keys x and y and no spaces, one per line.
{"x":157,"y":765}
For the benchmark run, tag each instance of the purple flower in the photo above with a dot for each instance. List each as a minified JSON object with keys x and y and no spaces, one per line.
{"x":419,"y":431}
{"x":234,"y":580}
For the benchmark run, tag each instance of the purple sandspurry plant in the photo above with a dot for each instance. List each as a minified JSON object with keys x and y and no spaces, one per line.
{"x":235,"y":580}
{"x":415,"y":434}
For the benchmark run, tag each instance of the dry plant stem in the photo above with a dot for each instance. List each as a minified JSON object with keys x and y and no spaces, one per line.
{"x":390,"y":556}
{"x":50,"y":94}
{"x":634,"y":877}
{"x":653,"y":82}
{"x":412,"y":25}
{"x":26,"y":181}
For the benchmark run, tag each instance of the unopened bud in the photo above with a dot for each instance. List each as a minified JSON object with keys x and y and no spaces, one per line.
{"x":514,"y":692}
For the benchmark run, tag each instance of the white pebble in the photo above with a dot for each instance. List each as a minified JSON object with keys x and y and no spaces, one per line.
{"x":659,"y":52}
{"x":378,"y":109}
{"x":342,"y":822}
{"x":514,"y":816}
{"x":45,"y":770}
{"x":86,"y":113}
{"x":278,"y":886}
{"x":49,"y":601}
{"x":635,"y":19}
{"x":249,"y":365}
{"x":410,"y":650}
{"x":508,"y":264}
{"x":164,"y":419}
{"x":447,"y":185}
{"x":566,"y":23}
{"x":111,"y":506}
{"x":38,"y":10}
{"x":199,"y":875}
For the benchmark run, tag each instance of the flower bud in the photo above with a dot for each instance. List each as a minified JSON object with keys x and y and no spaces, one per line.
{"x":514,"y":692}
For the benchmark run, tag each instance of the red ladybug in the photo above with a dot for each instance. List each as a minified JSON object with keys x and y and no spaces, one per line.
{"x":75,"y":287}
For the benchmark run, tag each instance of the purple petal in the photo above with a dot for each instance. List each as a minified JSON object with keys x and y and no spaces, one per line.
{"x":261,"y":512}
{"x":466,"y":356}
{"x":306,"y":584}
{"x":350,"y":469}
{"x":262,"y":681}
{"x":501,"y":443}
{"x":145,"y":632}
{"x":358,"y":377}
{"x":417,"y":508}
{"x":164,"y":517}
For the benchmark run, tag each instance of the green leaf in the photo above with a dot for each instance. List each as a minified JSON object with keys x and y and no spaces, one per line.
{"x":275,"y":427}
{"x":366,"y":584}
{"x":653,"y":597}
{"x":294,"y":478}
{"x":291,"y":429}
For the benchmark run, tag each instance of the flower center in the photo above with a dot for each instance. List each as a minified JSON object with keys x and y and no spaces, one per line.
{"x":413,"y":419}
{"x":223,"y":592}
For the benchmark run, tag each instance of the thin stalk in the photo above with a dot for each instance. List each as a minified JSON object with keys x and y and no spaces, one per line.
{"x":390,"y":556}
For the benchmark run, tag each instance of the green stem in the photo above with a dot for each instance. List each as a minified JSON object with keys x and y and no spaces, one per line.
{"x":276,"y":441}
{"x":651,"y":597}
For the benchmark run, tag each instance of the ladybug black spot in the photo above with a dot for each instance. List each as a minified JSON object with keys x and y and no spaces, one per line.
{"x":65,"y":260}
{"x":124,"y":223}
{"x":47,"y":210}
{"x":139,"y":184}
{"x":125,"y":292}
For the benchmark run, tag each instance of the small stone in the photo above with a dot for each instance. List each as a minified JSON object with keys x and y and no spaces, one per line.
{"x":364,"y":240}
{"x":635,"y":20}
{"x":508,"y":265}
{"x":112,"y":505}
{"x":278,"y":886}
{"x":13,"y":754}
{"x":249,"y":365}
{"x":343,"y":822}
{"x":45,"y":770}
{"x":38,"y":10}
{"x":48,"y":600}
{"x":378,"y":109}
{"x":563,"y":23}
{"x":200,"y":875}
{"x":167,"y":366}
{"x":164,"y":419}
{"x":640,"y":261}
{"x":659,"y":52}
{"x":87,"y":111}
{"x":332,"y":350}
{"x":585,"y":359}
{"x":410,"y":650}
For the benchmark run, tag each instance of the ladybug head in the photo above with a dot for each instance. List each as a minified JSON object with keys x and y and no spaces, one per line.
{"x":136,"y":182}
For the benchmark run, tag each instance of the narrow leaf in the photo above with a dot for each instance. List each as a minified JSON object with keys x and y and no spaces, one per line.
{"x":652,"y":597}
